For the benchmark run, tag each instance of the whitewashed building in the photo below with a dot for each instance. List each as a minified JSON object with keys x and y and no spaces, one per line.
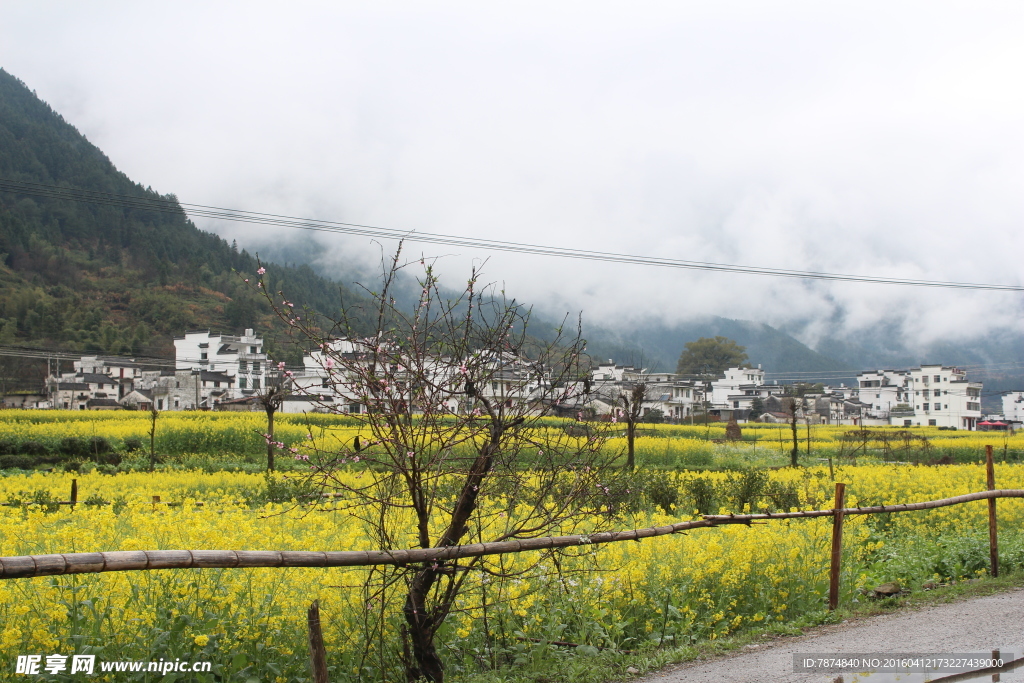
{"x":737,"y":382}
{"x":241,"y":358}
{"x":1013,"y":406}
{"x":943,"y":397}
{"x":884,"y":392}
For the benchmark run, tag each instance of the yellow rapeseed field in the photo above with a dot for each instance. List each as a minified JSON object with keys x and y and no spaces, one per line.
{"x":702,"y":584}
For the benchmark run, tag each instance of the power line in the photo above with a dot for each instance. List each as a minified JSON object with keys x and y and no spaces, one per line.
{"x":337,"y":227}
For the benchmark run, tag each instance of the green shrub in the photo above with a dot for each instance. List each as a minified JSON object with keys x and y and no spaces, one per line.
{"x":34,"y":448}
{"x":73,"y":446}
{"x":703,"y":495}
{"x":21,"y":462}
{"x":744,"y":488}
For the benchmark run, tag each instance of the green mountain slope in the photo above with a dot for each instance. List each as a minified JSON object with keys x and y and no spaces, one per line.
{"x":105,"y":278}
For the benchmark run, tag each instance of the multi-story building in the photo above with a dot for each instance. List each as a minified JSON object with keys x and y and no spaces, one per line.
{"x":241,"y":358}
{"x":931,"y":395}
{"x":184,"y":389}
{"x":1013,"y":406}
{"x":884,"y":392}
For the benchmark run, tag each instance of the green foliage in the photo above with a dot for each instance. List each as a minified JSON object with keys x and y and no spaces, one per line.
{"x":756,"y":408}
{"x":703,"y":493}
{"x":708,"y":356}
{"x":654,"y":416}
{"x":744,"y":488}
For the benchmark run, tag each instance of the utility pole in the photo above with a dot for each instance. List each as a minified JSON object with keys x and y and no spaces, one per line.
{"x":197,"y":376}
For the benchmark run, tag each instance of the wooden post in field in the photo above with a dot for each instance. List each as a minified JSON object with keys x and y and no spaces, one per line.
{"x":156,"y":501}
{"x":993,"y":538}
{"x":74,"y":493}
{"x":317,"y":652}
{"x":837,"y":546}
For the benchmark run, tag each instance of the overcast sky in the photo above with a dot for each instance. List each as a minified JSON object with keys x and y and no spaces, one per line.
{"x":875,"y":138}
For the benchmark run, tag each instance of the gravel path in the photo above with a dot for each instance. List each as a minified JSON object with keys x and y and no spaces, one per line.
{"x":976,"y":625}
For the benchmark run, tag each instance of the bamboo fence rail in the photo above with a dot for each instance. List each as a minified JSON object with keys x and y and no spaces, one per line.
{"x":28,"y":566}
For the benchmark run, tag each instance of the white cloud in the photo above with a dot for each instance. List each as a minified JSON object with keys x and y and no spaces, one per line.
{"x":870,"y":138}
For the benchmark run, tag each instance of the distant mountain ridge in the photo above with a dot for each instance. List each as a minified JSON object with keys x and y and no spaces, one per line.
{"x":657,"y":346}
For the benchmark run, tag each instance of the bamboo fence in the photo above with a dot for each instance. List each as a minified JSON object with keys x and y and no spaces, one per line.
{"x":29,"y":566}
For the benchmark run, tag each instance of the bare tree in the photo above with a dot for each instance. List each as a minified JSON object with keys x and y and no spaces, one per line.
{"x":270,"y":400}
{"x":449,"y":396}
{"x":790,"y":406}
{"x":632,"y":405}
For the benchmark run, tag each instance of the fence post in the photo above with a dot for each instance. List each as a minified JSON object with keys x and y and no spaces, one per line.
{"x":993,"y":538}
{"x":156,"y":501}
{"x":74,"y":493}
{"x":837,"y":546}
{"x":317,"y":653}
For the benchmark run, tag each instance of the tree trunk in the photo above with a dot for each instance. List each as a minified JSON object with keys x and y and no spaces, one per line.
{"x":630,"y":445}
{"x":421,"y":629}
{"x":270,"y":439}
{"x":795,"y":453}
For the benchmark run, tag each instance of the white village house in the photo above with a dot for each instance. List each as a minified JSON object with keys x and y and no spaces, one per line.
{"x":930,"y":395}
{"x":241,"y":359}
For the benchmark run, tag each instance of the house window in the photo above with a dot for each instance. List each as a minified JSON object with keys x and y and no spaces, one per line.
{"x":252,"y":349}
{"x":735,"y":404}
{"x":255,"y":382}
{"x":938,"y":378}
{"x":243,"y":366}
{"x":176,"y":404}
{"x":159,"y":404}
{"x":216,"y":385}
{"x":256,"y":366}
{"x":931,"y":423}
{"x":242,"y":383}
{"x":906,"y":423}
{"x":202,"y":355}
{"x":926,"y":405}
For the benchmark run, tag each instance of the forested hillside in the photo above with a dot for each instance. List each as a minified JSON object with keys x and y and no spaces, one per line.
{"x":106,"y":278}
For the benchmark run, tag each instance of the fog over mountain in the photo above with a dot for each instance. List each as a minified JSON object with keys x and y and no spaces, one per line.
{"x":878,"y":139}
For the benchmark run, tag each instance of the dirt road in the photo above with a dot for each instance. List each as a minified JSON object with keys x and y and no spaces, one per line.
{"x":976,"y":625}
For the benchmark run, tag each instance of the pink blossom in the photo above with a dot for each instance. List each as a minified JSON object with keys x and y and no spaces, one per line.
{"x":261,"y":271}
{"x":410,"y":454}
{"x":280,"y":365}
{"x":329,"y":363}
